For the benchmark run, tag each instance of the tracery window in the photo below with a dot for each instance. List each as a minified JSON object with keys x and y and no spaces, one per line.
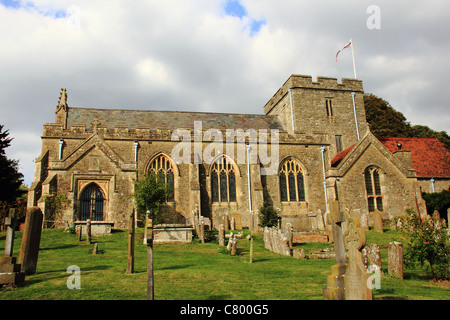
{"x":292,"y":186}
{"x":373,"y":189}
{"x":223,"y":180}
{"x":92,"y":203}
{"x":162,"y":166}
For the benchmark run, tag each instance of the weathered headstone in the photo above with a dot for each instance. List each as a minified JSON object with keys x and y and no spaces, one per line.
{"x":436,"y":215}
{"x":10,"y":224}
{"x":335,"y":289}
{"x":395,"y":259}
{"x":364,"y":221}
{"x":377,"y":221}
{"x":221,"y":235}
{"x":234,"y":245}
{"x":230,"y":241}
{"x":95,"y":250}
{"x":299,"y":253}
{"x":356,"y":277}
{"x":10,"y":271}
{"x":233,"y":223}
{"x":372,"y":256}
{"x":31,"y":240}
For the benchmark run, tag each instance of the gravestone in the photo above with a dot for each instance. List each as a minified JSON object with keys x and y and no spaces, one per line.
{"x":335,"y":289}
{"x":10,"y":224}
{"x":372,"y":256}
{"x":233,"y":245}
{"x":230,"y":241}
{"x":395,"y":259}
{"x":10,"y":273}
{"x":31,"y":239}
{"x":364,"y":221}
{"x":221,"y":235}
{"x":299,"y":253}
{"x":377,"y":221}
{"x":356,"y":277}
{"x":276,"y":241}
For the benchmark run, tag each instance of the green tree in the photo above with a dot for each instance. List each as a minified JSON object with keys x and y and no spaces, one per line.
{"x":268,"y":216}
{"x":426,"y":243}
{"x":10,"y":178}
{"x":439,"y":201}
{"x":150,"y":194}
{"x":383,"y":119}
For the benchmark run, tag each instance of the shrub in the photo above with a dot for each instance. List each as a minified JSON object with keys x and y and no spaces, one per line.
{"x":150,"y":194}
{"x":426,"y":242}
{"x":268,"y":216}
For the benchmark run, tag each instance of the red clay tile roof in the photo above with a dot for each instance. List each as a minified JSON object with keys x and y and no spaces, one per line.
{"x":429,"y":156}
{"x":341,"y":155}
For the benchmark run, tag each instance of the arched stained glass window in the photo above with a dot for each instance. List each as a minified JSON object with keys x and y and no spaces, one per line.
{"x":162,"y":166}
{"x":292,"y":186}
{"x":373,"y":188}
{"x":223,"y":181}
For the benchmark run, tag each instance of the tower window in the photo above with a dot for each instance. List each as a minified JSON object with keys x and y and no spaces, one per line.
{"x":329,"y":107}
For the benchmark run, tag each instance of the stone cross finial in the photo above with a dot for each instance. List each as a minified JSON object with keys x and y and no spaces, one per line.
{"x":95,"y":125}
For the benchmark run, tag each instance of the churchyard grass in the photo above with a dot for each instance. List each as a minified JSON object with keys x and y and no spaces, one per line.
{"x":195,"y":271}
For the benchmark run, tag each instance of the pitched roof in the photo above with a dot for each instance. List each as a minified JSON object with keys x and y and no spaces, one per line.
{"x":429,"y":156}
{"x":170,"y":119}
{"x":341,"y":155}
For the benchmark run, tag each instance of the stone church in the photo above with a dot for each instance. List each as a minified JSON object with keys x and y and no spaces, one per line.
{"x":320,"y":146}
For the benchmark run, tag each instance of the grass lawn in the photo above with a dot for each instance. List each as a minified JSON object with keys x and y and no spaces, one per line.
{"x":195,"y":271}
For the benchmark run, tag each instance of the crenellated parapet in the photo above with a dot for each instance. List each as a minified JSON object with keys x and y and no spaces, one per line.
{"x":306,"y":82}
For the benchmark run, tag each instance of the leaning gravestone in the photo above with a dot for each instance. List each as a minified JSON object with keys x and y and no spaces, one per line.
{"x":31,"y":239}
{"x":356,"y":276}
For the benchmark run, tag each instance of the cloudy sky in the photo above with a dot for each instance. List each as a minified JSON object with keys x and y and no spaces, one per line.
{"x":212,"y":55}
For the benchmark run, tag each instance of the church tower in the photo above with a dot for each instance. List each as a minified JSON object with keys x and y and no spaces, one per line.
{"x":321,"y":107}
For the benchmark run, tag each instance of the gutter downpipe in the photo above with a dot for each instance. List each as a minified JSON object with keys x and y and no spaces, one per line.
{"x":292,"y":110}
{"x":322,"y":149}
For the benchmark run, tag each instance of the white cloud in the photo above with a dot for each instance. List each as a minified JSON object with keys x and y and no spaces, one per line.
{"x":192,"y":55}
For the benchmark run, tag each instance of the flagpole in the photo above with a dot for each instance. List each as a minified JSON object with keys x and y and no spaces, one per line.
{"x":353,"y":55}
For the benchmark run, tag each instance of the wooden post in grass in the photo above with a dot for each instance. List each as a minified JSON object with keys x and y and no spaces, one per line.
{"x":88,"y":231}
{"x":149,"y":234}
{"x":130,"y":267}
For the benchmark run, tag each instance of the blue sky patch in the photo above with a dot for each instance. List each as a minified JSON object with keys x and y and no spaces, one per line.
{"x":30,"y":6}
{"x":235,"y":9}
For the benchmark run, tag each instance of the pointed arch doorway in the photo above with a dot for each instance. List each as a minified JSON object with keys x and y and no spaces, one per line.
{"x":92,"y":203}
